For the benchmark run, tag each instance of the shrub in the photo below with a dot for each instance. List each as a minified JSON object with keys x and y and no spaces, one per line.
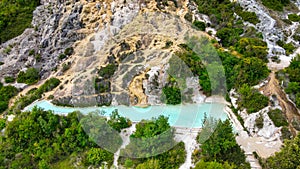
{"x":9,"y":79}
{"x":6,"y":93}
{"x":229,"y":36}
{"x":61,"y":56}
{"x":251,"y":99}
{"x":259,"y":122}
{"x":294,"y":17}
{"x":15,"y":17}
{"x":66,"y":66}
{"x":31,"y":52}
{"x":38,"y":57}
{"x":107,"y":71}
{"x":29,"y":77}
{"x":33,"y":95}
{"x":276,"y":5}
{"x":2,"y":124}
{"x":278,"y":118}
{"x":69,"y":51}
{"x":285,"y":133}
{"x":248,"y":16}
{"x":289,"y":48}
{"x":199,"y":25}
{"x":172,"y":95}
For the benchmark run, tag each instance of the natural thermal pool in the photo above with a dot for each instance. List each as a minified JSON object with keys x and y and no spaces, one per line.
{"x":184,"y":115}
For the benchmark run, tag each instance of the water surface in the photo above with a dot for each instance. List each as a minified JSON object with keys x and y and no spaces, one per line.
{"x":184,"y":115}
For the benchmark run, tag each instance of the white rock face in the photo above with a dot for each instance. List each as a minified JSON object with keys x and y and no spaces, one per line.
{"x":268,"y":131}
{"x":267,"y":26}
{"x":193,"y":83}
{"x":122,"y":15}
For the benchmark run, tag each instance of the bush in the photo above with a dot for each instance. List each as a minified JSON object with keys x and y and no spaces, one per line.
{"x":107,"y":71}
{"x":2,"y":124}
{"x":38,"y":57}
{"x":199,"y":25}
{"x":33,"y":95}
{"x":294,"y":17}
{"x":29,"y":77}
{"x":6,"y":93}
{"x":278,"y":118}
{"x":276,"y":5}
{"x":247,"y":16}
{"x":253,"y":47}
{"x":285,"y":133}
{"x":31,"y":52}
{"x":289,"y":48}
{"x":69,"y":51}
{"x":95,"y":156}
{"x":66,"y":66}
{"x":259,"y":122}
{"x":172,"y":95}
{"x":118,"y":122}
{"x":61,"y":56}
{"x":15,"y":17}
{"x":251,"y":99}
{"x":9,"y":79}
{"x":229,"y":36}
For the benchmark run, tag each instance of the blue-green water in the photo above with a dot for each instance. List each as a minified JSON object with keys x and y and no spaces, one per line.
{"x":185,"y":115}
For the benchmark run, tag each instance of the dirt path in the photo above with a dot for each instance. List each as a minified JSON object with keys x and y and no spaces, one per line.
{"x":289,"y":109}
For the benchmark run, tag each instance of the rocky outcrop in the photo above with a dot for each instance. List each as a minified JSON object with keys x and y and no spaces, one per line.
{"x":135,"y":41}
{"x":55,"y":28}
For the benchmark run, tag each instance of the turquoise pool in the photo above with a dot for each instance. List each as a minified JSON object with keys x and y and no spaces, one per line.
{"x":185,"y":115}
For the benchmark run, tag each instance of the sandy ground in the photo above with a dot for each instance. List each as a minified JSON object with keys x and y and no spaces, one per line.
{"x":125,"y":133}
{"x":289,"y":109}
{"x":188,"y":136}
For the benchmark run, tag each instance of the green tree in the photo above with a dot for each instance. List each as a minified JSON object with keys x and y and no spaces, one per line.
{"x":149,"y":164}
{"x":31,"y":76}
{"x":213,"y":165}
{"x":287,"y":158}
{"x":222,"y":147}
{"x":118,"y":122}
{"x":96,"y":156}
{"x":251,"y":99}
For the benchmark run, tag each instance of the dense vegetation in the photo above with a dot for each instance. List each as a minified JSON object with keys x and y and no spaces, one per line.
{"x":288,"y":47}
{"x":276,"y":5}
{"x":107,"y":71}
{"x":31,"y":76}
{"x":278,"y":118}
{"x":33,"y":95}
{"x":213,"y":165}
{"x":292,"y":74}
{"x":251,"y":99}
{"x":153,"y":138}
{"x":6,"y":93}
{"x":118,"y":122}
{"x":221,"y":149}
{"x":202,"y":59}
{"x":294,"y":17}
{"x":9,"y":79}
{"x":287,"y":158}
{"x":40,"y":139}
{"x":212,"y":65}
{"x":243,"y":71}
{"x":15,"y":17}
{"x":172,"y":95}
{"x":231,"y":31}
